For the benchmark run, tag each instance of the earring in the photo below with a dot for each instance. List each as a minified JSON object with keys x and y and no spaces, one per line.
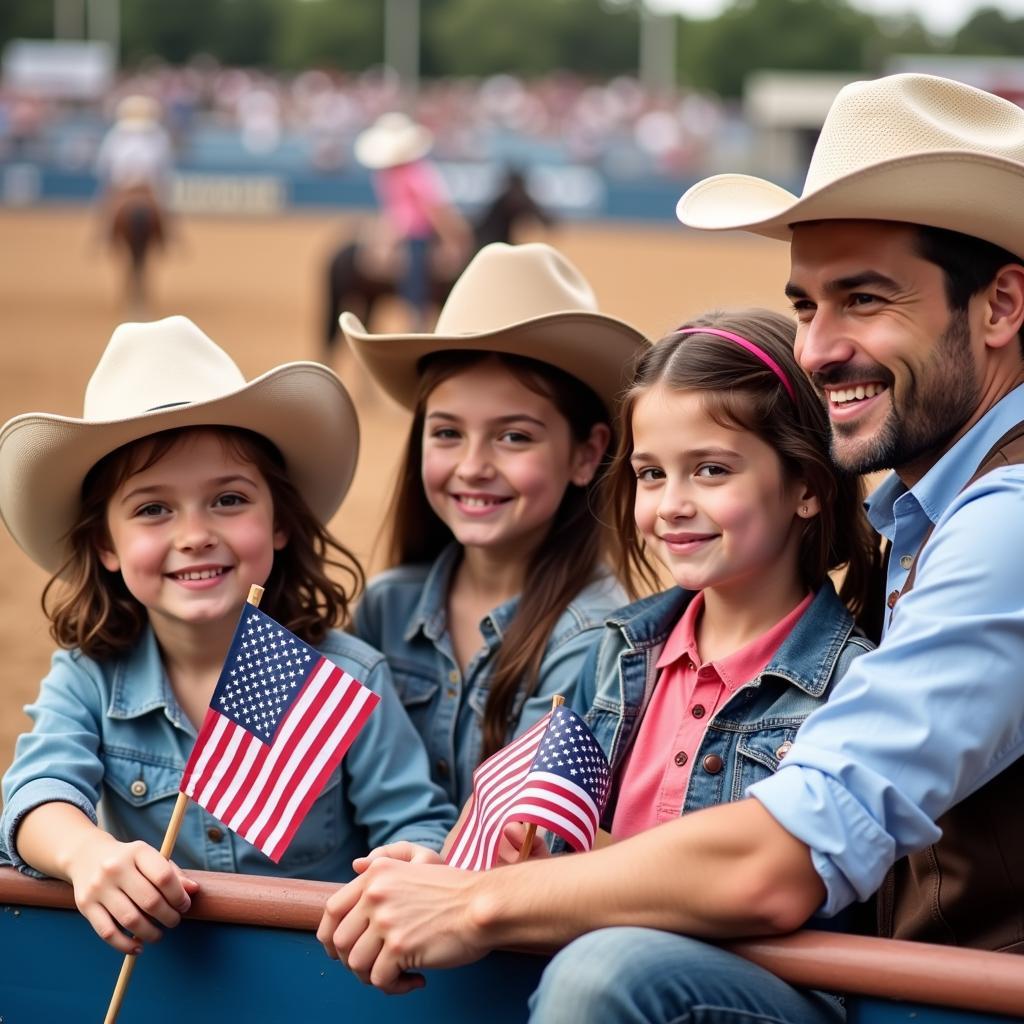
{"x":803,"y":511}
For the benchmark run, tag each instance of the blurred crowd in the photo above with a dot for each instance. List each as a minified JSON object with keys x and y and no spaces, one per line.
{"x":310,"y":120}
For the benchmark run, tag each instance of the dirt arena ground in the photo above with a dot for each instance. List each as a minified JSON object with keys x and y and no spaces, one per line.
{"x":254,"y":286}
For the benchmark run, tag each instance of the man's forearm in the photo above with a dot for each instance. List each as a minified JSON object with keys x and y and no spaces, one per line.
{"x":727,"y":871}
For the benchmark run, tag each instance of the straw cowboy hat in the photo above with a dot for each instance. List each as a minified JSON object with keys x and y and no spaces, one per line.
{"x":391,"y":140}
{"x":137,"y":110}
{"x":911,"y":148}
{"x":157,"y":376}
{"x":527,"y":300}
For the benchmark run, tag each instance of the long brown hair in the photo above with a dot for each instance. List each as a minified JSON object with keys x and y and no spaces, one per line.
{"x":741,"y":391}
{"x":90,"y":607}
{"x":567,"y":559}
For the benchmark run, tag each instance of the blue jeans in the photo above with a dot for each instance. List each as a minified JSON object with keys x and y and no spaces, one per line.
{"x":642,"y":976}
{"x":415,"y":285}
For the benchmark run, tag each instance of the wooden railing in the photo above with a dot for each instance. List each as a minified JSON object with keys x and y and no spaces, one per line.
{"x":940,"y":976}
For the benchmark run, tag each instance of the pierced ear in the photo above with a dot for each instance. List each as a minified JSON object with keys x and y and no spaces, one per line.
{"x":1005,"y":306}
{"x":809,"y":506}
{"x":588,"y":454}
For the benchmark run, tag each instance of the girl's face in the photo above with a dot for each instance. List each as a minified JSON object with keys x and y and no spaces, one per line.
{"x":497,"y":458}
{"x":712,"y":502}
{"x":192,"y":532}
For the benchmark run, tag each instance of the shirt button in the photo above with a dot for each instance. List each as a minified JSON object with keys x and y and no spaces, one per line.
{"x":442,"y":768}
{"x":892,"y":599}
{"x":214,"y":834}
{"x":681,"y":758}
{"x":451,"y":691}
{"x":697,"y":711}
{"x":712,"y":764}
{"x":453,"y":676}
{"x":906,"y":561}
{"x":138,"y":788}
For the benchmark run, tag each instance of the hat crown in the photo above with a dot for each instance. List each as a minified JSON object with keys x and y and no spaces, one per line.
{"x":509,"y":284}
{"x":158,"y":365}
{"x":910,"y":115}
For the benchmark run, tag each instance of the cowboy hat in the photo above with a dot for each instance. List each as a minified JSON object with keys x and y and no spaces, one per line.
{"x":910,"y":148}
{"x":159,"y":376}
{"x":391,"y":140}
{"x":526,"y":300}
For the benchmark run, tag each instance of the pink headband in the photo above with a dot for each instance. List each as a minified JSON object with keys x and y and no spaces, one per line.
{"x":750,"y":347}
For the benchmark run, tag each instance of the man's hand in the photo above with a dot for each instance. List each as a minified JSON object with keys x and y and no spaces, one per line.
{"x":398,"y":918}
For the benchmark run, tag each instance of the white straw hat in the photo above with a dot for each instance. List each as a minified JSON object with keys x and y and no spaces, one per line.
{"x":910,"y":148}
{"x":392,"y":139}
{"x":526,"y":300}
{"x":159,"y":376}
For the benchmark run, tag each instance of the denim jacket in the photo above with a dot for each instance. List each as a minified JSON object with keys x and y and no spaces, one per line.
{"x":110,"y":737}
{"x":404,"y":614}
{"x":752,"y":731}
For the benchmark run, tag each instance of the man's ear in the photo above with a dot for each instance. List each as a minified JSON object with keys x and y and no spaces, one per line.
{"x":1004,"y":306}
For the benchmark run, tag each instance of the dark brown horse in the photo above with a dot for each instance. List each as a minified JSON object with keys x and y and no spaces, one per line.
{"x":137,"y":226}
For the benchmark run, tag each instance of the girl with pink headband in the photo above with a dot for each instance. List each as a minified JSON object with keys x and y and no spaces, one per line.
{"x":723,"y":482}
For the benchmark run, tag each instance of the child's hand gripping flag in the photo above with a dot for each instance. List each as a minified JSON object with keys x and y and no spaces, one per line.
{"x":280,"y":721}
{"x":555,"y":775}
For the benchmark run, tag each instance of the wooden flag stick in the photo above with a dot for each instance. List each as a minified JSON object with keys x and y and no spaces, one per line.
{"x":170,"y":838}
{"x":531,"y":830}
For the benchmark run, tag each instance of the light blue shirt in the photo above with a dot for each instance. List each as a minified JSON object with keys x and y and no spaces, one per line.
{"x":404,"y":613}
{"x":111,"y":739}
{"x":938,"y":709}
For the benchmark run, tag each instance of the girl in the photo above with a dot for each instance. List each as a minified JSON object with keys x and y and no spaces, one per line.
{"x":499,"y":585}
{"x":723,"y":474}
{"x":182,"y":486}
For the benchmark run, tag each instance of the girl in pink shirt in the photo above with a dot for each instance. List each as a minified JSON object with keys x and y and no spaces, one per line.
{"x":723,"y":475}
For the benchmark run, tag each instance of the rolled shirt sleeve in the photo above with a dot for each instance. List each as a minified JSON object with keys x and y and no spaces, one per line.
{"x":928,"y":718}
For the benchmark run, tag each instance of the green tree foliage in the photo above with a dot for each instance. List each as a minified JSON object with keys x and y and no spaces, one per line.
{"x":991,"y":33}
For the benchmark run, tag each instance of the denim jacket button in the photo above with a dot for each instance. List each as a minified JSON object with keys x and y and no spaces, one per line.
{"x":214,"y":834}
{"x":712,"y":764}
{"x":138,"y":788}
{"x":681,"y":758}
{"x":784,"y":750}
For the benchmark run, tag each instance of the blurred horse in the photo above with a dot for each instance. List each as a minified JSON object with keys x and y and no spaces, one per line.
{"x":369,"y":267}
{"x":137,"y":225}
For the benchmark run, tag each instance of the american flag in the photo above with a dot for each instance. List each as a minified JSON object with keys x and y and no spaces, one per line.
{"x":280,"y":721}
{"x":555,"y":775}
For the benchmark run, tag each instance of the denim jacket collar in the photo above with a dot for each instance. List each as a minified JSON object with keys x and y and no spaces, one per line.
{"x":140,"y":684}
{"x":430,"y":616}
{"x":827,"y":624}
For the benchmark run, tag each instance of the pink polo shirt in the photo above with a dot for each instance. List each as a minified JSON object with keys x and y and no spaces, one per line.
{"x":685,"y":699}
{"x":407,"y":194}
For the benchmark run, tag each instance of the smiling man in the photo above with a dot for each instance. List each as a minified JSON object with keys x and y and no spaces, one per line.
{"x":908,"y":285}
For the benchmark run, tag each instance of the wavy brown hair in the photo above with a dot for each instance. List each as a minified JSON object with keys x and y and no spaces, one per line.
{"x":568,"y":558}
{"x":90,"y":607}
{"x":740,"y":391}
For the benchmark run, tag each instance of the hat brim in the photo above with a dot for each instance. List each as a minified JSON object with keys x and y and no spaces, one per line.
{"x":971,"y":193}
{"x":378,"y":153}
{"x":596,"y":349}
{"x":302,"y":408}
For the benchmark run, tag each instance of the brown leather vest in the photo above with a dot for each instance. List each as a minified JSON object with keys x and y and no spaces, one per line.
{"x":967,"y":889}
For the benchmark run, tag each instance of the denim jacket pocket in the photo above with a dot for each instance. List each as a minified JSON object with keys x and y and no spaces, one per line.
{"x":758,"y":755}
{"x":323,"y":830}
{"x":139,"y":780}
{"x":417,"y":688}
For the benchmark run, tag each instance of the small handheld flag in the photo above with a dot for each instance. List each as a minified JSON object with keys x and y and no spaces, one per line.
{"x":555,"y":775}
{"x":280,"y":721}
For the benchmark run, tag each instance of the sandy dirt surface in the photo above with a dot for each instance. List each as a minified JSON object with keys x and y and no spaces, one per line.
{"x":255,"y":287}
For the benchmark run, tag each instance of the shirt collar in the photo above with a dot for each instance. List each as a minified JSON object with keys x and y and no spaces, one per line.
{"x":430,"y":615}
{"x":742,"y":665}
{"x":140,"y":684}
{"x":935,"y":491}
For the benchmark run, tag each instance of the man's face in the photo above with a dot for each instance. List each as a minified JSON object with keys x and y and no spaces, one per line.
{"x":897,"y":367}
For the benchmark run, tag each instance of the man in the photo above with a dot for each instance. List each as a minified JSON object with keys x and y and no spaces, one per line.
{"x":912,"y":333}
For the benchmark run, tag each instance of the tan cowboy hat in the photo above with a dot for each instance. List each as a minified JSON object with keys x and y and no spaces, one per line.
{"x":137,"y":110}
{"x":157,"y":376}
{"x":392,"y":139}
{"x":527,"y":300}
{"x":911,"y":148}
